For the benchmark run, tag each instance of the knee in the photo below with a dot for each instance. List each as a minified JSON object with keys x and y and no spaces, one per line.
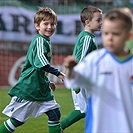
{"x":54,"y":115}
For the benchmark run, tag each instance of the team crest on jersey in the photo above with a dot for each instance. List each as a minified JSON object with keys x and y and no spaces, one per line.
{"x":48,"y":54}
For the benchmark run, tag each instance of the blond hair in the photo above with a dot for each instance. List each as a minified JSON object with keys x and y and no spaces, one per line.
{"x":122,"y":15}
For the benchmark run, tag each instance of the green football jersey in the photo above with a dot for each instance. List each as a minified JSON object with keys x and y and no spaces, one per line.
{"x":85,"y":43}
{"x":33,"y":83}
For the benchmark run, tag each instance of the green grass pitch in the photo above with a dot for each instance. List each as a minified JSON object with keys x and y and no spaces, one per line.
{"x":39,"y":124}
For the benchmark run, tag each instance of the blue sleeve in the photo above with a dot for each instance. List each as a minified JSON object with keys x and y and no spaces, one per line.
{"x":51,"y":69}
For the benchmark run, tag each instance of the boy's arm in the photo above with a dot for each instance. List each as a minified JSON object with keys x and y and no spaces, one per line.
{"x":55,"y":71}
{"x":51,"y":69}
{"x":84,"y":47}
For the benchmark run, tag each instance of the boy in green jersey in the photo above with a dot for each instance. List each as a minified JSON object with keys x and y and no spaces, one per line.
{"x":91,"y":17}
{"x":32,"y":94}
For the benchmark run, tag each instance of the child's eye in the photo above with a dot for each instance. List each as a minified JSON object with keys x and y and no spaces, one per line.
{"x":116,"y":34}
{"x":105,"y":33}
{"x":99,"y":20}
{"x":46,"y":24}
{"x":51,"y":24}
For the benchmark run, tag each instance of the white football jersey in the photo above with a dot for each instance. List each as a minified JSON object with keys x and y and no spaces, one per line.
{"x":109,"y":84}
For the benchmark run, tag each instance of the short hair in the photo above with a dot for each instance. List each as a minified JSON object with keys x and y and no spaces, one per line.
{"x":45,"y":13}
{"x":118,"y":14}
{"x":87,"y":13}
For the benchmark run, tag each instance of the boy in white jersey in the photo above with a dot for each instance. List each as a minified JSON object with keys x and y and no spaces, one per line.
{"x":91,"y":18}
{"x":32,"y":94}
{"x":107,"y":75}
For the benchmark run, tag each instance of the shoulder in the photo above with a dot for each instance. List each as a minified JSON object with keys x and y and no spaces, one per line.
{"x":97,"y":52}
{"x":84,"y":34}
{"x":96,"y":55}
{"x":41,"y":38}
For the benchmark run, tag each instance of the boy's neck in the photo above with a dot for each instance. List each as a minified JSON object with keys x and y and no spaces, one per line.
{"x":88,"y":30}
{"x":124,"y":55}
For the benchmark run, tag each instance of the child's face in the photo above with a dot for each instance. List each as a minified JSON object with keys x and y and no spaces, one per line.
{"x":96,"y":23}
{"x":114,"y":36}
{"x":46,"y":27}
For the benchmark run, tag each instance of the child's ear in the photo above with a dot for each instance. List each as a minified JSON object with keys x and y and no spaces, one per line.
{"x":86,"y":22}
{"x":130,"y":36}
{"x":37,"y":27}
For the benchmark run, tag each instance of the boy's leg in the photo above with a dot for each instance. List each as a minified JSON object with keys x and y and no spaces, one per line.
{"x":53,"y":122}
{"x":73,"y":117}
{"x":10,"y":125}
{"x":79,"y":104}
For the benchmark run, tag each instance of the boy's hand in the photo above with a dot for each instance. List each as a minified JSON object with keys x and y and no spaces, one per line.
{"x":52,"y":86}
{"x":61,"y":76}
{"x":69,"y":63}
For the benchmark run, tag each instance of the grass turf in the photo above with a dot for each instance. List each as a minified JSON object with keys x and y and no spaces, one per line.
{"x":39,"y":124}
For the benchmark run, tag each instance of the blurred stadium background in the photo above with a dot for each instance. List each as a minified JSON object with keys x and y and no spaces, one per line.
{"x":17,"y":30}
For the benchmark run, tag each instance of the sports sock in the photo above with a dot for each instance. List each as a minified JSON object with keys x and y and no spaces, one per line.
{"x":73,"y":117}
{"x":10,"y":125}
{"x":54,"y":127}
{"x":7,"y":127}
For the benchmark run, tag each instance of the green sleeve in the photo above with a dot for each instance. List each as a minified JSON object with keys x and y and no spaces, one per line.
{"x":38,"y":54}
